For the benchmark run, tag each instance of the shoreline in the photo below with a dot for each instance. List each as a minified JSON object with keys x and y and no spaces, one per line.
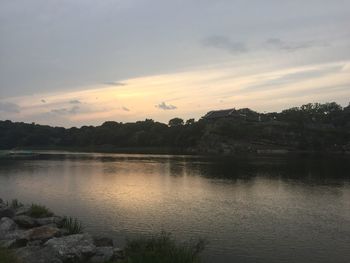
{"x":34,"y":234}
{"x":176,"y":151}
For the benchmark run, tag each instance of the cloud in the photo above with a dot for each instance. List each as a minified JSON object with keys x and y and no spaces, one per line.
{"x":75,"y":102}
{"x":66,"y":111}
{"x":277,"y":43}
{"x":295,"y":77}
{"x":346,"y":67}
{"x":9,"y":107}
{"x":114,"y":83}
{"x":125,"y":109}
{"x":224,"y":43}
{"x":164,"y":106}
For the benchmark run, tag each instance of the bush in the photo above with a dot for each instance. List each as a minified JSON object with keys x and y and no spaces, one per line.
{"x":73,"y":226}
{"x":6,"y":256}
{"x":162,"y":249}
{"x":39,"y":211}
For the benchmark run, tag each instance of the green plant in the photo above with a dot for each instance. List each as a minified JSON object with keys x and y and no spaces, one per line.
{"x":39,"y":211}
{"x":163,"y":248}
{"x":72,"y":225}
{"x":7,"y":256}
{"x":16,"y":204}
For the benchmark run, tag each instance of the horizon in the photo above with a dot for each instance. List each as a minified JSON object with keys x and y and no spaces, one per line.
{"x":83,"y":63}
{"x":166,"y":122}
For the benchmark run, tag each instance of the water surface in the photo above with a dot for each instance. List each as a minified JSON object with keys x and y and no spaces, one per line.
{"x":251,"y":209}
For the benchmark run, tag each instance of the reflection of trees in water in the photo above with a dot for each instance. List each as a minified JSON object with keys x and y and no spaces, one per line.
{"x":318,"y":169}
{"x":315,"y":169}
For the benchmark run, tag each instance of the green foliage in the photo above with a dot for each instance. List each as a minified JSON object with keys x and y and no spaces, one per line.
{"x":72,"y":225}
{"x":39,"y":211}
{"x":162,"y":248}
{"x":7,"y":256}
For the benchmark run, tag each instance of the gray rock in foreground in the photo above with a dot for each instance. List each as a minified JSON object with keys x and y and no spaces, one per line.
{"x":7,"y":224}
{"x":37,"y":255}
{"x":74,"y":247}
{"x":25,"y":221}
{"x":44,"y":240}
{"x":6,"y":211}
{"x":42,"y":233}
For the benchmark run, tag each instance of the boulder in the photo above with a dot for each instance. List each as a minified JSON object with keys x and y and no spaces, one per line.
{"x":73,"y":248}
{"x":25,"y":221}
{"x":13,"y":243}
{"x":42,"y":233}
{"x":23,"y":210}
{"x":37,"y":255}
{"x":103,"y":242}
{"x":14,"y":239}
{"x":6,"y":211}
{"x":7,"y":224}
{"x":102,"y":255}
{"x":54,"y":220}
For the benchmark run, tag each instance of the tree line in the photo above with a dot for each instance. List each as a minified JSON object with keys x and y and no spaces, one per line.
{"x":313,"y":127}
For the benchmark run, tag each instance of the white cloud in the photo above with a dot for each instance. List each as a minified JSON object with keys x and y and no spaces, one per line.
{"x":164,"y":106}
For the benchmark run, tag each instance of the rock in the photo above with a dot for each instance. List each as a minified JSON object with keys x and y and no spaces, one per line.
{"x":103,"y":242}
{"x":6,"y":211}
{"x":25,"y":221}
{"x":73,"y":247}
{"x":14,"y":243}
{"x":55,"y":220}
{"x":37,"y":255}
{"x":42,"y":233}
{"x":102,"y":255}
{"x":7,"y":224}
{"x":23,"y":210}
{"x":14,"y":239}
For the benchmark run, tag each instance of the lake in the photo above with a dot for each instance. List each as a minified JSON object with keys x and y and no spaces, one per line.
{"x":249,"y":209}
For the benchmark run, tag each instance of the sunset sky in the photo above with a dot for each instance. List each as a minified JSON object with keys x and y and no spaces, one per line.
{"x":82,"y":62}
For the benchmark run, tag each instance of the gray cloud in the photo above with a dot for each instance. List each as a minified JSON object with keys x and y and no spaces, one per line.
{"x":277,"y":43}
{"x":296,"y":77}
{"x":114,"y":83}
{"x":9,"y":107}
{"x":52,"y":56}
{"x":224,"y":43}
{"x":164,"y":106}
{"x":75,"y":102}
{"x":125,"y":109}
{"x":66,"y":111}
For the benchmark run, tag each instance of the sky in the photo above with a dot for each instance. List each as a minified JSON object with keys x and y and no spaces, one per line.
{"x":82,"y":62}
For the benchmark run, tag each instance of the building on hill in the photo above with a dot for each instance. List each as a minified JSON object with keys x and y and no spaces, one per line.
{"x":218,"y":114}
{"x":243,"y":114}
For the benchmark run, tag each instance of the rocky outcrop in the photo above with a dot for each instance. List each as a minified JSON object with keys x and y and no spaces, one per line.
{"x":25,"y":221}
{"x":44,"y":240}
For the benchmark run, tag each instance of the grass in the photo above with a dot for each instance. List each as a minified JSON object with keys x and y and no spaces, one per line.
{"x":162,"y":248}
{"x":39,"y":211}
{"x":72,"y":225}
{"x":7,"y":256}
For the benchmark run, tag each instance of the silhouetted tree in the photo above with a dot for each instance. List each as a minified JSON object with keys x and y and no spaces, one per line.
{"x":176,"y":122}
